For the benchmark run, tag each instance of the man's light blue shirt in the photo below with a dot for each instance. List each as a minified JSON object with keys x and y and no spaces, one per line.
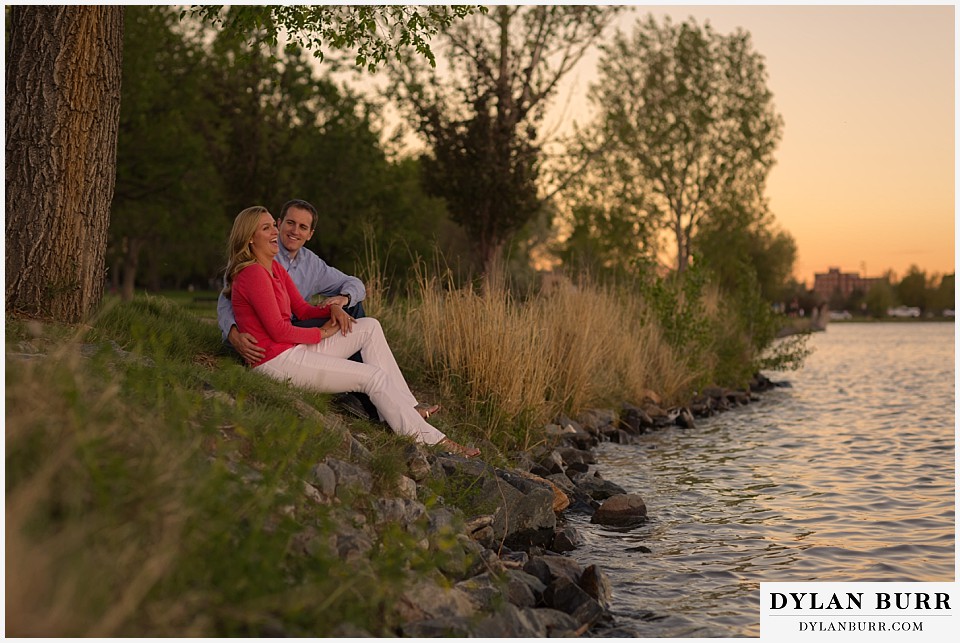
{"x":311,"y":275}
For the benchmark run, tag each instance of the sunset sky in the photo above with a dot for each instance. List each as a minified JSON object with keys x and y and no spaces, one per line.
{"x":865,"y":172}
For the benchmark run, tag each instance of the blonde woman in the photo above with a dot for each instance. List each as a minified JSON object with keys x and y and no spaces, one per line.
{"x":263,"y":298}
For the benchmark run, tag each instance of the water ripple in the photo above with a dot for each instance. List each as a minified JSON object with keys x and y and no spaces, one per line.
{"x":846,"y":476}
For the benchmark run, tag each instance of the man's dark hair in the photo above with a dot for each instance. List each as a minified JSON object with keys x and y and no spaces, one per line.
{"x":301,"y":204}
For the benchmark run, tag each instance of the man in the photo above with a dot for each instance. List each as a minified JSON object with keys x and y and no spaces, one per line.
{"x":312,"y":276}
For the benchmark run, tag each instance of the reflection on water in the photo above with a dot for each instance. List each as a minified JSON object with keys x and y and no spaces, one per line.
{"x":846,"y":476}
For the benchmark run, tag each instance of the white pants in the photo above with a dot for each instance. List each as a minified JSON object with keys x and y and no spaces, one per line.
{"x":325,"y":367}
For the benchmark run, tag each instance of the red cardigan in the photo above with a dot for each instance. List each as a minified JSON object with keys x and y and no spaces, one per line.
{"x":262,"y":303}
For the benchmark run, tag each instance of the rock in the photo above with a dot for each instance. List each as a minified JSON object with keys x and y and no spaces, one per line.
{"x":487,"y":559}
{"x":306,"y":543}
{"x":571,"y":599}
{"x":578,"y":456}
{"x":523,"y":589}
{"x":351,"y":631}
{"x":513,"y":559}
{"x":522,"y":504}
{"x":426,"y":600}
{"x":741,"y":398}
{"x":619,"y":436}
{"x":641,"y":548}
{"x":594,"y":420}
{"x":595,"y":583}
{"x":441,"y":521}
{"x":349,"y":477}
{"x":549,"y":568}
{"x":551,"y":461}
{"x":314,"y":494}
{"x":624,"y":510}
{"x":482,"y":590}
{"x":580,"y":501}
{"x":660,"y":416}
{"x":557,"y":431}
{"x":352,"y":543}
{"x":566,"y":539}
{"x":577,"y":467}
{"x":556,"y":623}
{"x":589,"y":613}
{"x":560,"y":500}
{"x":324,"y":479}
{"x":399,"y":510}
{"x":596,"y":487}
{"x":634,"y":420}
{"x":448,"y":627}
{"x":406,"y":488}
{"x":418,"y":466}
{"x":580,"y":437}
{"x":685,"y":419}
{"x":510,"y":622}
{"x":714,"y":392}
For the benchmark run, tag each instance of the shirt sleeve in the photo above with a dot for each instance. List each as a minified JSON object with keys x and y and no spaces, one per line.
{"x":225,"y":318}
{"x":255,"y":285}
{"x":331,"y":281}
{"x":298,"y":305}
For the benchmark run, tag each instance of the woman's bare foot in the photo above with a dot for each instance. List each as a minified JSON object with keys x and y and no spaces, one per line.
{"x":459,"y":449}
{"x":426,"y":410}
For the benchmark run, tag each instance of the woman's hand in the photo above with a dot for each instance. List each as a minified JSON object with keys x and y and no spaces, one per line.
{"x":343,"y":320}
{"x":246,"y":345}
{"x":330,"y":328}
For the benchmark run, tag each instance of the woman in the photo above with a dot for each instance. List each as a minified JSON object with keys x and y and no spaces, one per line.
{"x":263,"y":297}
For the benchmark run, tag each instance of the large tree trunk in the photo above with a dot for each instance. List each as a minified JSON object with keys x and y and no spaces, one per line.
{"x":63,"y":106}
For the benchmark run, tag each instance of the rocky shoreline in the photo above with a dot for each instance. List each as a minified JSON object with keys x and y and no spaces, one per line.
{"x":508,"y":566}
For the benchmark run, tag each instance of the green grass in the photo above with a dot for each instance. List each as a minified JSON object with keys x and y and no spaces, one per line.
{"x":155,"y":488}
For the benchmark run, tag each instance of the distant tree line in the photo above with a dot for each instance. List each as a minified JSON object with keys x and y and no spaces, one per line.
{"x":932,"y":294}
{"x":217,"y":113}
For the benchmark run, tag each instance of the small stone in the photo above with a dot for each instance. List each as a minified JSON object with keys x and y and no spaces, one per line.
{"x":399,"y":510}
{"x":314,"y":494}
{"x":624,"y":510}
{"x":325,"y":480}
{"x":350,"y":476}
{"x":510,"y":622}
{"x":566,"y":539}
{"x":549,"y":568}
{"x":523,"y":590}
{"x":417,"y":464}
{"x":685,"y":419}
{"x":595,"y":583}
{"x":407,"y":488}
{"x":565,"y":596}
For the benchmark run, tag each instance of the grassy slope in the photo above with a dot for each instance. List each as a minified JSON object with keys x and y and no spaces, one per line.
{"x":130,"y":453}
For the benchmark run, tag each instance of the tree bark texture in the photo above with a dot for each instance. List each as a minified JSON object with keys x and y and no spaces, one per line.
{"x":63,"y":72}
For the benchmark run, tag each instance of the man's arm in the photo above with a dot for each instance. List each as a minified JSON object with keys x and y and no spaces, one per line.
{"x":328,"y":281}
{"x":225,"y":318}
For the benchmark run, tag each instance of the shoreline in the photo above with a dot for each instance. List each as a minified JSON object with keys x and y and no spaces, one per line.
{"x":525,"y":579}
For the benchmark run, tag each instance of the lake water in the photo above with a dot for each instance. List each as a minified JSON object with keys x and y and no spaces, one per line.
{"x":846,"y":476}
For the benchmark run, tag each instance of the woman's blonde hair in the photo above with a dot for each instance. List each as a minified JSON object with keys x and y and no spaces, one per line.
{"x":239,"y":252}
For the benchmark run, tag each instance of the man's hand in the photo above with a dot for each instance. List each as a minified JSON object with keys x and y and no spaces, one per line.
{"x":246,"y":345}
{"x":341,"y":318}
{"x":337,"y":300}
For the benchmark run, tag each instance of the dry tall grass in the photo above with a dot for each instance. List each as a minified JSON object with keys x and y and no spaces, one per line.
{"x":519,"y":363}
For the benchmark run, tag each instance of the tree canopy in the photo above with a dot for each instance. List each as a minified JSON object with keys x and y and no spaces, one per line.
{"x":481,"y":118}
{"x":687,"y":115}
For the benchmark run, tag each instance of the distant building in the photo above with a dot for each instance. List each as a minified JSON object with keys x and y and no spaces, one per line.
{"x":825,"y":284}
